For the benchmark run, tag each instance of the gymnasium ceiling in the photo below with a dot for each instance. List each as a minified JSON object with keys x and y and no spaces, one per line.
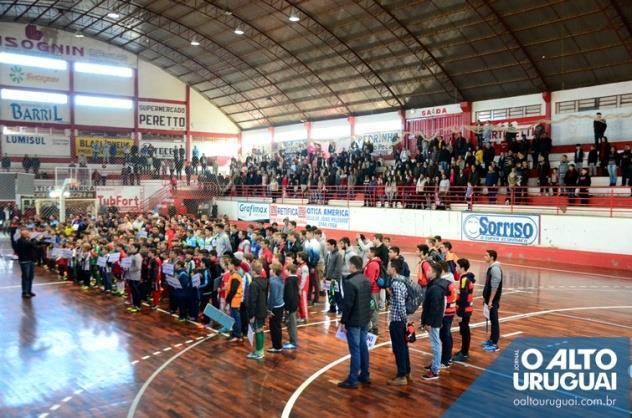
{"x":351,"y":57}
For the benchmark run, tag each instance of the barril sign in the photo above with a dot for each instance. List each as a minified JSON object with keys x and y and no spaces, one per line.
{"x":507,"y":229}
{"x":35,"y":112}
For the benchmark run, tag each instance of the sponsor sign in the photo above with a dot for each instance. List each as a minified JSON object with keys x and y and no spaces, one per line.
{"x":506,"y":229}
{"x":52,"y":43}
{"x":125,"y":198}
{"x":39,"y":145}
{"x":320,"y":216}
{"x":84,"y":144}
{"x":247,"y":211}
{"x":290,"y":147}
{"x":162,"y":116}
{"x":382,"y":141}
{"x":435,"y":111}
{"x":41,"y":78}
{"x":34,"y":112}
{"x":163,"y":149}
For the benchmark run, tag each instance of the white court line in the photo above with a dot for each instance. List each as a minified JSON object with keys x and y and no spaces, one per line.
{"x":611,"y":324}
{"x":44,"y":415}
{"x":54,"y":407}
{"x":297,"y":393}
{"x":583,"y":273}
{"x":19,"y":286}
{"x":66,"y":399}
{"x":139,"y":395}
{"x":145,"y":357}
{"x":511,"y":334}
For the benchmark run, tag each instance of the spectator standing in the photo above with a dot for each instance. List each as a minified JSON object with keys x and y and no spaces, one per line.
{"x":593,"y":160}
{"x":491,"y":298}
{"x":578,"y":158}
{"x":599,"y":127}
{"x":625,"y":162}
{"x":397,"y":326}
{"x":562,"y":169}
{"x":584,"y":183}
{"x":6,"y":163}
{"x":355,"y":320}
{"x":26,"y":251}
{"x":613,"y":163}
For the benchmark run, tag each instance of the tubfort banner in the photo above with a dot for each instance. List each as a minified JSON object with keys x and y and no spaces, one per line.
{"x":35,"y":145}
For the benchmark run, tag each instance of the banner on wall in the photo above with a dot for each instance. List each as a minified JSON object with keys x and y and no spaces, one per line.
{"x":46,"y":41}
{"x":162,"y":116}
{"x":84,"y":143}
{"x":434,"y":112}
{"x":290,"y":147}
{"x":320,"y":216}
{"x":382,"y":141}
{"x":34,"y":112}
{"x":163,"y":149}
{"x":39,"y":145}
{"x":41,"y":78}
{"x":504,"y":229}
{"x":125,"y":198}
{"x":257,"y":212}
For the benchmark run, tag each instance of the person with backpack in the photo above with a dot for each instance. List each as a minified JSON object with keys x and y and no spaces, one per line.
{"x":432,"y":317}
{"x":434,"y":255}
{"x":291,"y":301}
{"x":464,"y":307}
{"x":393,"y":254}
{"x":257,"y":309}
{"x":355,"y":320}
{"x":372,"y":271}
{"x":397,"y":326}
{"x":450,"y":259}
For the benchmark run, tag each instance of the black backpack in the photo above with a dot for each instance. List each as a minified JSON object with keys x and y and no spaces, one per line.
{"x":384,"y":281}
{"x":414,"y":295}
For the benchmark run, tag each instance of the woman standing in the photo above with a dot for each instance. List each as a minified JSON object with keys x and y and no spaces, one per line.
{"x":613,"y":163}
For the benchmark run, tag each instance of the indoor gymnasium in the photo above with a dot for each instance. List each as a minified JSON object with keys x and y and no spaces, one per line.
{"x":315,"y":208}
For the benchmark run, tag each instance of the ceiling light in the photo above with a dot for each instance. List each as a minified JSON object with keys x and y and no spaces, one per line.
{"x":33,"y":96}
{"x":239,"y":31}
{"x":195,"y":42}
{"x":32,"y":61}
{"x":78,"y":35}
{"x":228,"y":12}
{"x":113,"y":15}
{"x":85,"y":67}
{"x":294,"y":17}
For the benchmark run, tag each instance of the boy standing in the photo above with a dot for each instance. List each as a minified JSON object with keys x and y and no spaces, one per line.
{"x":464,"y":307}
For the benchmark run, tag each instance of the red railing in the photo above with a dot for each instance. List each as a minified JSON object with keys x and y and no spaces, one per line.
{"x":561,"y":198}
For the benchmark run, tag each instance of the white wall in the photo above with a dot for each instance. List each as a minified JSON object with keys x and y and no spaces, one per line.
{"x":155,"y":83}
{"x":592,"y":91}
{"x":381,"y":122}
{"x":515,"y":101}
{"x":331,"y":129}
{"x":207,"y":118}
{"x":581,"y":233}
{"x":290,"y":133}
{"x":99,"y":116}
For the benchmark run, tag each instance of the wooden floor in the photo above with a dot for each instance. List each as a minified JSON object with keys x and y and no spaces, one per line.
{"x":74,"y":353}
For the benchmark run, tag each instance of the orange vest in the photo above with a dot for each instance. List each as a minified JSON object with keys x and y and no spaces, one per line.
{"x":465,"y":283}
{"x":450,"y":301}
{"x":239,"y":294}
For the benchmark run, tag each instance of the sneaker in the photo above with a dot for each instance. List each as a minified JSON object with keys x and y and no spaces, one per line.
{"x":398,"y":381}
{"x":347,"y":385}
{"x":289,"y":346}
{"x":445,"y":366}
{"x":235,"y":340}
{"x":365,"y":381}
{"x":274,"y":350}
{"x":461,"y":357}
{"x":492,"y":348}
{"x":428,"y":367}
{"x":255,"y":356}
{"x":485,"y":343}
{"x":430,"y":376}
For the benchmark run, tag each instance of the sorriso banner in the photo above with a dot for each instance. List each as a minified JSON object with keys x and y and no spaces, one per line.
{"x":505,"y":229}
{"x":248,"y":211}
{"x":320,"y":216}
{"x":38,"y":145}
{"x":125,"y":198}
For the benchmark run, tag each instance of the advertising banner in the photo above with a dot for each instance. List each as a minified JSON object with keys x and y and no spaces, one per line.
{"x":505,"y":229}
{"x":382,"y":141}
{"x":247,"y":211}
{"x":38,"y":145}
{"x":125,"y":198}
{"x":40,"y":78}
{"x":34,"y":112}
{"x":320,"y":216}
{"x":162,"y":116}
{"x":52,"y":43}
{"x":84,"y":143}
{"x":163,"y":149}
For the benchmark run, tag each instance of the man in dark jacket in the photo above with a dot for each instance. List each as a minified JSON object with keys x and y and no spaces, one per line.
{"x":257,"y":308}
{"x":356,"y":314}
{"x":432,"y":315}
{"x":290,"y":300}
{"x":333,"y":274}
{"x":26,"y":250}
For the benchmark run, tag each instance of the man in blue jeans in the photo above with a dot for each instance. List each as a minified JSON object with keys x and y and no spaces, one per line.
{"x":398,"y":324}
{"x":26,"y":251}
{"x":356,"y":314}
{"x":432,"y":315}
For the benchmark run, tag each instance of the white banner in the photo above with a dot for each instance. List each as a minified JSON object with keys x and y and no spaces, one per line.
{"x":125,"y":198}
{"x":162,"y":116}
{"x":34,"y":112}
{"x":40,"y":78}
{"x":35,"y":145}
{"x":162,"y":149}
{"x":52,"y":43}
{"x":506,"y":229}
{"x":253,"y":212}
{"x":382,"y":141}
{"x":320,"y":216}
{"x":433,"y":112}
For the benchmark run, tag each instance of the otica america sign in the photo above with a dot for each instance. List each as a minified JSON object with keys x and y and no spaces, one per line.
{"x":506,"y":229}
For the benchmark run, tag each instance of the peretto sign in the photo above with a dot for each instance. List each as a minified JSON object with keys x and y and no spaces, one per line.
{"x":162,"y":116}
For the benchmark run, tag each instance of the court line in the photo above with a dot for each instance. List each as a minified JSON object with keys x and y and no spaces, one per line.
{"x":19,"y":286}
{"x":297,"y":393}
{"x":511,"y":334}
{"x":142,"y":390}
{"x":611,"y":324}
{"x":584,"y":273}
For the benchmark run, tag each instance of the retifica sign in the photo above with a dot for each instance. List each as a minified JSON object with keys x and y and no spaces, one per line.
{"x":52,"y":43}
{"x":40,"y":78}
{"x":506,"y":229}
{"x":258,"y":212}
{"x":84,"y":144}
{"x":162,"y":116}
{"x":125,"y":198}
{"x":320,"y":216}
{"x":34,"y":112}
{"x":39,"y":145}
